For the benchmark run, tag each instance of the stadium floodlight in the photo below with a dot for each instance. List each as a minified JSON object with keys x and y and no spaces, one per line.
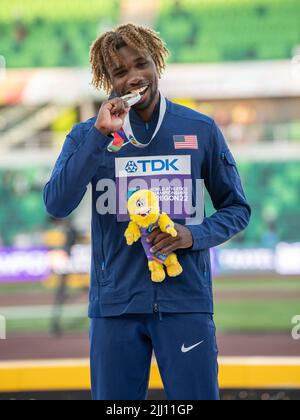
{"x":2,"y":328}
{"x":2,"y":68}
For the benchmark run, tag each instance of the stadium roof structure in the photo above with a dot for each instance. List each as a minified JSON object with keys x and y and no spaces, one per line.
{"x":252,"y":79}
{"x":269,"y":79}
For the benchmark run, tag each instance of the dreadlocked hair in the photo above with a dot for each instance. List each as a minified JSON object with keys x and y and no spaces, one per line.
{"x":104,"y":51}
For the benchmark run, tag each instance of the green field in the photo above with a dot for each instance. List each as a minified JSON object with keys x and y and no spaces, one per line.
{"x":256,"y":316}
{"x":258,"y":284}
{"x":232,"y":315}
{"x":37,"y":326}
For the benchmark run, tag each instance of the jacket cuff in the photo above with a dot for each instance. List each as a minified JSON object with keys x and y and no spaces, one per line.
{"x":102,"y":140}
{"x":197,"y":243}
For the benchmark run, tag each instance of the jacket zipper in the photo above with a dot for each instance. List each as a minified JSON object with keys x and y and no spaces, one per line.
{"x":205,"y":270}
{"x":155,"y":304}
{"x":103,"y":262}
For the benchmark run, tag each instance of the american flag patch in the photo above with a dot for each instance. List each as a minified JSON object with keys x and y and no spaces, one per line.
{"x":186,"y":142}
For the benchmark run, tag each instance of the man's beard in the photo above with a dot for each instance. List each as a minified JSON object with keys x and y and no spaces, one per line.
{"x":152,"y":97}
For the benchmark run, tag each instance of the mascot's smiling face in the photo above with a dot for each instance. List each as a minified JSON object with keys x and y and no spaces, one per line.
{"x":143,"y":208}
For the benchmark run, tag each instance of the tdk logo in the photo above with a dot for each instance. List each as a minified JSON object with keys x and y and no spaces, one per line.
{"x":131,"y":167}
{"x":156,"y":165}
{"x":147,"y":166}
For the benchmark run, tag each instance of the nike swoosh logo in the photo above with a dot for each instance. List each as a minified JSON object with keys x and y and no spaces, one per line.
{"x":187,"y":349}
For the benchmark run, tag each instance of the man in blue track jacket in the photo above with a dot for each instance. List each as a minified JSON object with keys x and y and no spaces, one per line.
{"x":130,"y":315}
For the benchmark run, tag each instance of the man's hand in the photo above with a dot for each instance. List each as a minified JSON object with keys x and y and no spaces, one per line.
{"x":111,"y":116}
{"x":166,"y":244}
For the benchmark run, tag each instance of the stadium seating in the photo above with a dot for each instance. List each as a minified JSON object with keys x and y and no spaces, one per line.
{"x":23,"y":212}
{"x":35,"y":33}
{"x":229,"y":30}
{"x":273,"y":189}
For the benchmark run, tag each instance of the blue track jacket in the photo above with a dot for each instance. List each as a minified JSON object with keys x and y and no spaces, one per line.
{"x":120,"y":280}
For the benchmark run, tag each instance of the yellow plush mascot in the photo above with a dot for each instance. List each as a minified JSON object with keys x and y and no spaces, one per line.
{"x":144,"y":211}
